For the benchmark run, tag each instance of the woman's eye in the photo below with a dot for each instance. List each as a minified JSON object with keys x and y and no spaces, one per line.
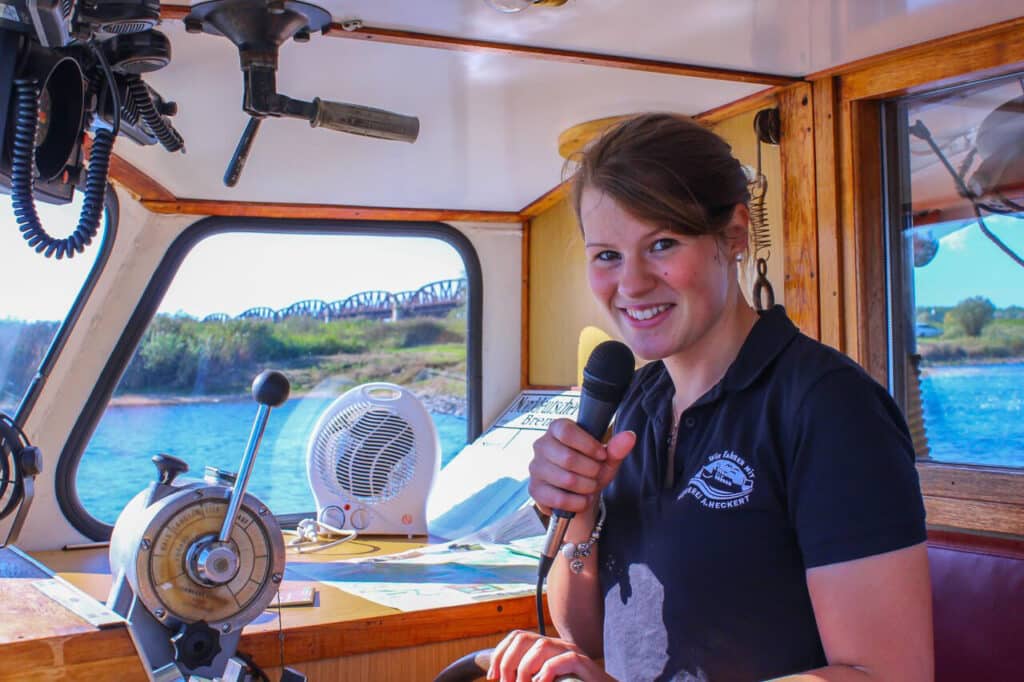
{"x":606,"y":255}
{"x":662,"y":244}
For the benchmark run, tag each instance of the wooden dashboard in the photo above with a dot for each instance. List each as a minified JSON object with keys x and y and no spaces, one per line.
{"x":340,"y":636}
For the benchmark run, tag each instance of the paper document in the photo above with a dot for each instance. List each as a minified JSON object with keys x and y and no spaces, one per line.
{"x":441,"y":575}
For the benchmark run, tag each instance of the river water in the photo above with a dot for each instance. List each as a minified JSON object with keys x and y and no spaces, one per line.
{"x":973,"y":414}
{"x":117,"y":463}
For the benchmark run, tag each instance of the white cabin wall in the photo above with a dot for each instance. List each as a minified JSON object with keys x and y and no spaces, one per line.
{"x":499,"y":248}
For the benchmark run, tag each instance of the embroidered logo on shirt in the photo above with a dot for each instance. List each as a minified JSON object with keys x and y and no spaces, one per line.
{"x":725,"y":481}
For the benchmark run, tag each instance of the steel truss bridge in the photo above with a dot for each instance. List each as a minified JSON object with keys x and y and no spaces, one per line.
{"x":436,"y":299}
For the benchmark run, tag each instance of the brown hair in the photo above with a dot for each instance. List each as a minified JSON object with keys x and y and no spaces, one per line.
{"x":665,"y":169}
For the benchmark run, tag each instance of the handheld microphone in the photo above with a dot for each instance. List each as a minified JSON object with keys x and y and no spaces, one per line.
{"x":606,"y":377}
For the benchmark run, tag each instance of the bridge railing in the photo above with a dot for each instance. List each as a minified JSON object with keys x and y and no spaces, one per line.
{"x":433,"y":299}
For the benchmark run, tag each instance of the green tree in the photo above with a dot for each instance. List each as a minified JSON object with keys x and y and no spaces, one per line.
{"x":972,"y":314}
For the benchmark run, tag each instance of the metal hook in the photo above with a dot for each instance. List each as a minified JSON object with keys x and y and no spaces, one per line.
{"x":762,"y":287}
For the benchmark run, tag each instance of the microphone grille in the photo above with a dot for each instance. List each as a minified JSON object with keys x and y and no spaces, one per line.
{"x":608,"y":371}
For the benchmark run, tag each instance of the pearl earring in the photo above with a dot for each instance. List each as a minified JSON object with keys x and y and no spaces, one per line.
{"x":739,"y":257}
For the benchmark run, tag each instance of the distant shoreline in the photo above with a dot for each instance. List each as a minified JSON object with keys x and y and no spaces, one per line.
{"x":926,"y":363}
{"x":435,"y":403}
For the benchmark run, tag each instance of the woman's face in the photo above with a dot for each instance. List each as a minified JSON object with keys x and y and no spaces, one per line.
{"x":664,"y":290}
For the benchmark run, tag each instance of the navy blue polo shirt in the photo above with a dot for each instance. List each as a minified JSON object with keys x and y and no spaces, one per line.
{"x":795,"y":459}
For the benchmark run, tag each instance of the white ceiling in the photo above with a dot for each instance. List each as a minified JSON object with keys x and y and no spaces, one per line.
{"x":489,"y":123}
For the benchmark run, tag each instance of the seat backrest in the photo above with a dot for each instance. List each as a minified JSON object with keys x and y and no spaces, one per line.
{"x":978,"y":606}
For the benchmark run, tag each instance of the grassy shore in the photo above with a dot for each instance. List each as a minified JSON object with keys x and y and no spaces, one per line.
{"x":435,"y":373}
{"x":1001,"y":341}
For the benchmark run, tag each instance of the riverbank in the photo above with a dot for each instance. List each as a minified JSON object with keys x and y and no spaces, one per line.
{"x":436,"y":403}
{"x":967,"y":361}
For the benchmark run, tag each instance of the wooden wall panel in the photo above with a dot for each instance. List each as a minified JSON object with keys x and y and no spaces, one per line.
{"x":800,"y":208}
{"x":961,"y":58}
{"x":255,"y":209}
{"x":971,"y":482}
{"x":991,"y":517}
{"x":861,"y":236}
{"x":395,"y":665}
{"x":826,"y":174}
{"x":869,"y":239}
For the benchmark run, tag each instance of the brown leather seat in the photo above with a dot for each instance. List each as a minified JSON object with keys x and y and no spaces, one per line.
{"x":978,"y":601}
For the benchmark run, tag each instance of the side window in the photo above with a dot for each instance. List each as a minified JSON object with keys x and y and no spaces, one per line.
{"x":331,"y":311}
{"x":38,"y":292}
{"x":958,"y":264}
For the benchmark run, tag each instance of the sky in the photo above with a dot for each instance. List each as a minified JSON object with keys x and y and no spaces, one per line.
{"x":231,"y":273}
{"x":969,"y":264}
{"x":225,"y":273}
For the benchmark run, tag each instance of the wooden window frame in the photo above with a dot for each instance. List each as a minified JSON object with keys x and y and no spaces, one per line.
{"x":842,"y":255}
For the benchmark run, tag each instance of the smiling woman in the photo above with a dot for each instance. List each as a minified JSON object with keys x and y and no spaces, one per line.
{"x":735,"y":541}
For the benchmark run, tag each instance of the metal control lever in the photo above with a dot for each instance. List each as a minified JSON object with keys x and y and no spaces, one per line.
{"x":182,"y":580}
{"x":269,"y":389}
{"x":241,"y":154}
{"x":338,"y":116}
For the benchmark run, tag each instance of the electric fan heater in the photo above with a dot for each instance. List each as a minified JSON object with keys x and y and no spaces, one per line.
{"x":372,"y":459}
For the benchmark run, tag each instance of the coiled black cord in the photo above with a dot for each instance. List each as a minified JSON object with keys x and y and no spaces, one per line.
{"x":23,"y":152}
{"x":139,"y":97}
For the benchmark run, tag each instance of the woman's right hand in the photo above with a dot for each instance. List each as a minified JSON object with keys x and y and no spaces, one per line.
{"x":570,"y":467}
{"x":527,"y":657}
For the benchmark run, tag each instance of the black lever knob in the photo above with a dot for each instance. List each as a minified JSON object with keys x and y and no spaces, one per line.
{"x":169,"y":467}
{"x":30,"y":463}
{"x":270,"y":388}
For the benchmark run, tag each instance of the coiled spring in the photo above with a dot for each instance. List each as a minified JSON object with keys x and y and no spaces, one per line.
{"x":22,"y":180}
{"x":767,"y":127}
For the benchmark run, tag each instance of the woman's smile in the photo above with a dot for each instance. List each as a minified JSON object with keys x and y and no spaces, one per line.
{"x":646,"y":316}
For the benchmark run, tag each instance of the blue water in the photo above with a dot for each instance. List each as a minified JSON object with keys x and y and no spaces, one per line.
{"x":975,"y":413}
{"x":117,"y":463}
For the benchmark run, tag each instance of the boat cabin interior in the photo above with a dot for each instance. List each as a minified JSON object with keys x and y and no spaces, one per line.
{"x":375,"y":193}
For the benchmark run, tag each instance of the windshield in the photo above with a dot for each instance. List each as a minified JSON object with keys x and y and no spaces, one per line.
{"x":38,"y":293}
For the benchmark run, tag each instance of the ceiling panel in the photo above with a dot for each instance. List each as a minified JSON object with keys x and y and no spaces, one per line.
{"x":488,"y":123}
{"x":793,"y":37}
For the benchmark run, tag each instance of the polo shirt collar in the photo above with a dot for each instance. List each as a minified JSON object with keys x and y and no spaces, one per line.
{"x":772,"y":332}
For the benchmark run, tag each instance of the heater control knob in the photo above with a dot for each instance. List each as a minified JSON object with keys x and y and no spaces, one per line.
{"x":360,"y":518}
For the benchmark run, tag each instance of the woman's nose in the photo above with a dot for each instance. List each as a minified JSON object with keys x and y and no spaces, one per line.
{"x":636,"y":277}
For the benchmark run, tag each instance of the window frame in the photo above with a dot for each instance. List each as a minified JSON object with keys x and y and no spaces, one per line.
{"x":833,"y":254}
{"x":146,"y":309}
{"x":957,"y":494}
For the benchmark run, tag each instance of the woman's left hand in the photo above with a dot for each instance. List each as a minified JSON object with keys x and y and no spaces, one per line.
{"x":527,"y":657}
